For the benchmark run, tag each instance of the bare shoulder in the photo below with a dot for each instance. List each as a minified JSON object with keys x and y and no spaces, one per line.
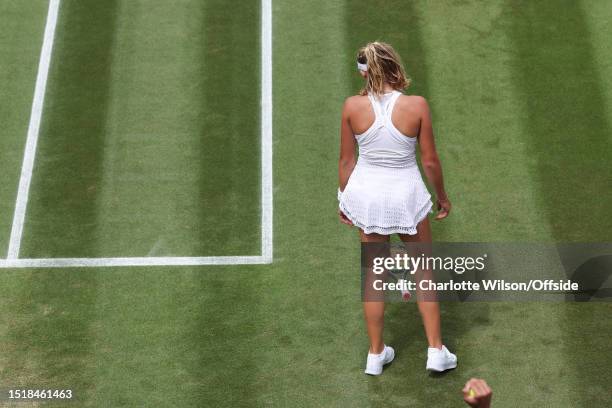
{"x":355,"y":102}
{"x":414,"y":103}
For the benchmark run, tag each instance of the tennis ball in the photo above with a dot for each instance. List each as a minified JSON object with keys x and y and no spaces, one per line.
{"x":471,"y":393}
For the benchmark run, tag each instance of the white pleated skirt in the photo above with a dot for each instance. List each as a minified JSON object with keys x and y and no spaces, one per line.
{"x":385,"y":200}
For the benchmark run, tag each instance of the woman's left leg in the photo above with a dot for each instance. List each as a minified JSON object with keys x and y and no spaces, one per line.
{"x":374,"y":311}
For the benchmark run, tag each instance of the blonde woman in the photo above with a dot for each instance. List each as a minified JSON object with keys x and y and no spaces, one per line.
{"x":382,"y":191}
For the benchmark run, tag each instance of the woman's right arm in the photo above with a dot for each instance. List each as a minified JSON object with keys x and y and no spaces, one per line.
{"x":348,"y":159}
{"x":430,"y":160}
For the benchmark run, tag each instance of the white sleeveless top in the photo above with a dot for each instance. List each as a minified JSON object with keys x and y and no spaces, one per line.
{"x":385,"y":194}
{"x":382,"y":144}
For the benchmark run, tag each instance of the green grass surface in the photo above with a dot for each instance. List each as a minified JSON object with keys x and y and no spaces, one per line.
{"x":153,"y":142}
{"x":150,"y":146}
{"x":21,"y":38}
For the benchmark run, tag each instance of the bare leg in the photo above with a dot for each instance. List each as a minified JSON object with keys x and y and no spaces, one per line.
{"x":430,"y":310}
{"x":374,"y":312}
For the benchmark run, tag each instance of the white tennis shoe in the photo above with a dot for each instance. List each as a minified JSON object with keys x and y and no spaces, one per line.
{"x":375,"y":363}
{"x":439,"y":360}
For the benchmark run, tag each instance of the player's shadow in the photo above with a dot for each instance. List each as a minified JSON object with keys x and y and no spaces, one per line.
{"x":404,"y":330}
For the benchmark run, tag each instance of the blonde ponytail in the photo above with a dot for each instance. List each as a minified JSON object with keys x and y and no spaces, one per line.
{"x":384,"y":66}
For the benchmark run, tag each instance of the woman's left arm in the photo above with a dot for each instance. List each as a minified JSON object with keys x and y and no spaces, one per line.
{"x":348,"y":159}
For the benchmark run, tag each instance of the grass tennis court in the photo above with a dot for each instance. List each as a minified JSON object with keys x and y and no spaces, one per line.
{"x":150,"y":146}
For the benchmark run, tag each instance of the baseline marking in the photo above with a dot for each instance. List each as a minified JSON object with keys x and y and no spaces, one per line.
{"x":33,"y":129}
{"x":267,"y":193}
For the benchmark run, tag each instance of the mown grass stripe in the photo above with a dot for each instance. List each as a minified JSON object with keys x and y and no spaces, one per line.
{"x":63,"y":208}
{"x":567,"y":128}
{"x":229,"y":128}
{"x":597,"y":17}
{"x":183,"y":337}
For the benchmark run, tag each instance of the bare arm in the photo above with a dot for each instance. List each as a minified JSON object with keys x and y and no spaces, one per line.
{"x":348,"y":158}
{"x":347,"y":161}
{"x":430,"y":161}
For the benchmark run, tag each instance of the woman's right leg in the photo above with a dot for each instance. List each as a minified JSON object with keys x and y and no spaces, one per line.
{"x":374,"y":311}
{"x":439,"y":358}
{"x":430,"y":310}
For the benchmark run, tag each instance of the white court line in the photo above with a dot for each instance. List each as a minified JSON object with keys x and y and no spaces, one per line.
{"x":132,"y":261}
{"x":266,"y":132}
{"x":266,"y":257}
{"x":33,"y":130}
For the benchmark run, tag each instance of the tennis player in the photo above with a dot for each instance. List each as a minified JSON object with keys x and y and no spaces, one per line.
{"x":382,"y":191}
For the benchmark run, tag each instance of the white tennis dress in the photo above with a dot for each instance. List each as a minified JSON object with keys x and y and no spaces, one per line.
{"x":385,"y":194}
